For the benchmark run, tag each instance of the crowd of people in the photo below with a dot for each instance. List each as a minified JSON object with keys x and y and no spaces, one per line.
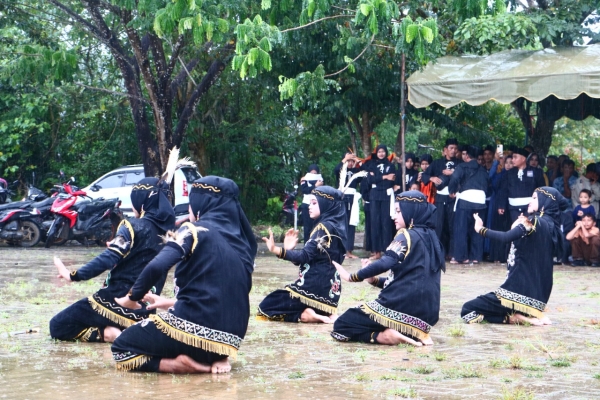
{"x":496,"y":185}
{"x":204,"y":324}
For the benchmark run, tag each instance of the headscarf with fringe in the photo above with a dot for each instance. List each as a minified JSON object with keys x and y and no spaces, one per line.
{"x":149,"y":198}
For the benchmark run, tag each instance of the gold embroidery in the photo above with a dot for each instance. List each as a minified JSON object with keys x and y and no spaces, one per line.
{"x":546,"y":193}
{"x":127,"y":225}
{"x":415,"y":199}
{"x":194,"y":233}
{"x":141,"y":186}
{"x":325,"y":195}
{"x":209,"y":187}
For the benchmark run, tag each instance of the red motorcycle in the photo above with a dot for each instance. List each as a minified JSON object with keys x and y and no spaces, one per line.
{"x":80,"y":218}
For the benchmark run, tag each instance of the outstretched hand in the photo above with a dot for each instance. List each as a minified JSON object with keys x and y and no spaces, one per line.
{"x":365,"y":262}
{"x":270,"y":242}
{"x":478,"y":222}
{"x":291,"y":239}
{"x":63,"y":272}
{"x":156,"y":301}
{"x":345,"y":275}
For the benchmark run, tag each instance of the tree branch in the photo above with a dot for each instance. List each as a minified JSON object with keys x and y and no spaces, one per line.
{"x":316,"y":21}
{"x":175,"y":49}
{"x":111,"y":92}
{"x":357,"y":57}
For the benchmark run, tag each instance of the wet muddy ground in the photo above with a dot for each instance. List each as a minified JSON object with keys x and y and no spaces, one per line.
{"x":279,"y":360}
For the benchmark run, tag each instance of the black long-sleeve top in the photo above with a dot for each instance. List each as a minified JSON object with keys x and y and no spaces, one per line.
{"x":511,"y":186}
{"x":436,"y":169}
{"x":469,"y":176}
{"x":379,"y":186}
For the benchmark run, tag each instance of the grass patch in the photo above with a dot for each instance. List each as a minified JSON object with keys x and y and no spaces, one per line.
{"x":405,"y":393}
{"x":424,"y":370}
{"x":497,"y":363}
{"x":597,"y":376}
{"x":439,"y":356}
{"x":456,"y":330}
{"x":517,"y":393}
{"x":561,"y":362}
{"x":464,"y":371}
{"x":362,"y":378}
{"x":297,"y":375}
{"x":388,"y":378}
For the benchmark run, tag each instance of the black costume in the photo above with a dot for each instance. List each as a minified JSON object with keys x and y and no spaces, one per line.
{"x":380,"y":200}
{"x":136,"y":243}
{"x":528,"y":285}
{"x":470,"y":183}
{"x":516,"y":188}
{"x":443,"y":203}
{"x":212,"y":284}
{"x":351,"y":198}
{"x":411,"y":174}
{"x":409,"y":301}
{"x":318,"y":285}
{"x":306,"y":188}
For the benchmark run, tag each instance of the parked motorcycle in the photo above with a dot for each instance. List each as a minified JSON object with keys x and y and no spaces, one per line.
{"x":79,"y":218}
{"x":20,"y":227}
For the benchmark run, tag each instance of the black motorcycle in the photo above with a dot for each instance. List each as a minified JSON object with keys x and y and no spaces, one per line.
{"x":20,"y":227}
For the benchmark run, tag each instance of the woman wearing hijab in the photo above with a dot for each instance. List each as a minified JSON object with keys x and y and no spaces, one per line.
{"x":207,"y":321}
{"x":410,"y":160}
{"x":427,"y":189}
{"x":98,"y":318}
{"x":409,"y":302}
{"x":382,"y":175}
{"x":308,"y":182}
{"x":314,"y":296}
{"x":523,"y":296}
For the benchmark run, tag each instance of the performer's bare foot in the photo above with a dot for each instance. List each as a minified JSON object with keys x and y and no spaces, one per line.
{"x":309,"y":315}
{"x":520,"y":319}
{"x":350,"y":255}
{"x":111,"y":333}
{"x":182,"y":365}
{"x":393,"y":337}
{"x":375,"y":256}
{"x":333,"y":317}
{"x":546,"y":321}
{"x":221,"y":366}
{"x":427,"y":341}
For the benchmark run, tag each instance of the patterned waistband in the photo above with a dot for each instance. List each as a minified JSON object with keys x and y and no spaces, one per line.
{"x":397,"y":320}
{"x":521,"y":299}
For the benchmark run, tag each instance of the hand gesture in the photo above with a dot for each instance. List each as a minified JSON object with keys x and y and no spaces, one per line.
{"x":365,"y":262}
{"x":291,"y":239}
{"x":156,"y":301}
{"x":63,"y":272}
{"x":580,"y":213}
{"x":270,"y":242}
{"x":436,"y":181}
{"x":478,"y":222}
{"x":345,"y":275}
{"x":126,"y":302}
{"x":319,"y":183}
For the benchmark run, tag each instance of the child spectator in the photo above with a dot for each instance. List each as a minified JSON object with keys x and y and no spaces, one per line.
{"x":584,"y":206}
{"x":585,"y":242}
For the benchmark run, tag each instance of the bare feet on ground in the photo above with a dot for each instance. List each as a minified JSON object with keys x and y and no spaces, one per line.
{"x":520,"y":319}
{"x":111,"y":334}
{"x":546,"y":321}
{"x":182,"y":365}
{"x":393,"y":337}
{"x":221,"y":366}
{"x":309,"y":315}
{"x":350,"y":255}
{"x":333,"y":317}
{"x":427,"y":341}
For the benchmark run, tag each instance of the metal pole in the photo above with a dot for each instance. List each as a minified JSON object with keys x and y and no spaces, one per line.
{"x":402,"y":111}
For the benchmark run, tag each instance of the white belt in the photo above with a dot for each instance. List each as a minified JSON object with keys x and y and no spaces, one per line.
{"x":354,"y":211}
{"x":471,"y":195}
{"x":444,"y":191}
{"x":307,"y":198}
{"x":390,"y":192}
{"x":519,"y":201}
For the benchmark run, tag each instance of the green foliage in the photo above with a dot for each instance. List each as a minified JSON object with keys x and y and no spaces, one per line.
{"x":489,"y":34}
{"x":416,"y":36}
{"x":255,"y":39}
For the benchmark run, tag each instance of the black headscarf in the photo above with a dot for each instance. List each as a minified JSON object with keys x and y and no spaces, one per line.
{"x":333,"y":211}
{"x":215,"y":201}
{"x":550,"y":205}
{"x":387,"y":153}
{"x":420,"y":217}
{"x":426,"y":157}
{"x":313,"y":167}
{"x":411,"y":156}
{"x":151,"y":201}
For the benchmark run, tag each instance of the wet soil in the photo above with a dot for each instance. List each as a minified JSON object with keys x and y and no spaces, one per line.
{"x":279,"y":360}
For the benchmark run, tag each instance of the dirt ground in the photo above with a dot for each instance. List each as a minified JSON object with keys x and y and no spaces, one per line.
{"x":279,"y":360}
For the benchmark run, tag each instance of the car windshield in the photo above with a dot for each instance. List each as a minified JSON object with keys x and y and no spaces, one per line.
{"x":111,"y":181}
{"x":191,"y":174}
{"x":134,"y":177}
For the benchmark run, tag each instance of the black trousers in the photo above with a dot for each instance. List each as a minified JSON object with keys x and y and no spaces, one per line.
{"x":79,"y":321}
{"x":486,"y":307}
{"x":468,"y":244}
{"x":367,"y":209}
{"x":144,"y":338}
{"x":280,"y":306}
{"x":445,"y":220}
{"x":356,"y":326}
{"x":382,"y":225}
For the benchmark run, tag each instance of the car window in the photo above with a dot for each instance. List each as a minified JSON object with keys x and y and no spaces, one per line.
{"x":133,"y":177}
{"x":111,"y":181}
{"x":191,"y":174}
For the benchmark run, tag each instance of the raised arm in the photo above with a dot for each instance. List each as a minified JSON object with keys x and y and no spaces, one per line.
{"x":519,"y":231}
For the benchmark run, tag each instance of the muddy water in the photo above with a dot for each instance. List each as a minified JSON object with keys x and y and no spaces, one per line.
{"x":280,"y":360}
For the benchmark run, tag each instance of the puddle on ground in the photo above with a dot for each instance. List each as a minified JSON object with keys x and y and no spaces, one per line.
{"x":279,"y":360}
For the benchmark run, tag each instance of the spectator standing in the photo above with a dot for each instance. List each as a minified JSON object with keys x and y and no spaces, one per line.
{"x":563,"y":184}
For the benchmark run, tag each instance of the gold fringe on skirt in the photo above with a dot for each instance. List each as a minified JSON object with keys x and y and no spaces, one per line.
{"x":534,"y":312}
{"x":192,"y":340}
{"x":132,"y":363}
{"x":312,"y":303}
{"x":390,"y":323}
{"x":111,"y":315}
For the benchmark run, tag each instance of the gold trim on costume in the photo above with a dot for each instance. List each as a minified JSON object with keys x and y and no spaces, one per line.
{"x":110,"y":315}
{"x":415,"y":199}
{"x":193,"y":340}
{"x":325,"y":195}
{"x":404,"y":232}
{"x":546,"y":193}
{"x":208,"y":187}
{"x":193,"y":232}
{"x":132,"y":363}
{"x":311,"y":302}
{"x":86,"y":334}
{"x":142,"y":186}
{"x":127,"y":225}
{"x":392,"y":324}
{"x":321,"y":226}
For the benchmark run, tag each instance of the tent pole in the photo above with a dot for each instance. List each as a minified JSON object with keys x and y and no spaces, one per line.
{"x":402,"y":128}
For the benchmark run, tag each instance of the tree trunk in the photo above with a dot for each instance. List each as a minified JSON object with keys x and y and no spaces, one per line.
{"x":363,"y":128}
